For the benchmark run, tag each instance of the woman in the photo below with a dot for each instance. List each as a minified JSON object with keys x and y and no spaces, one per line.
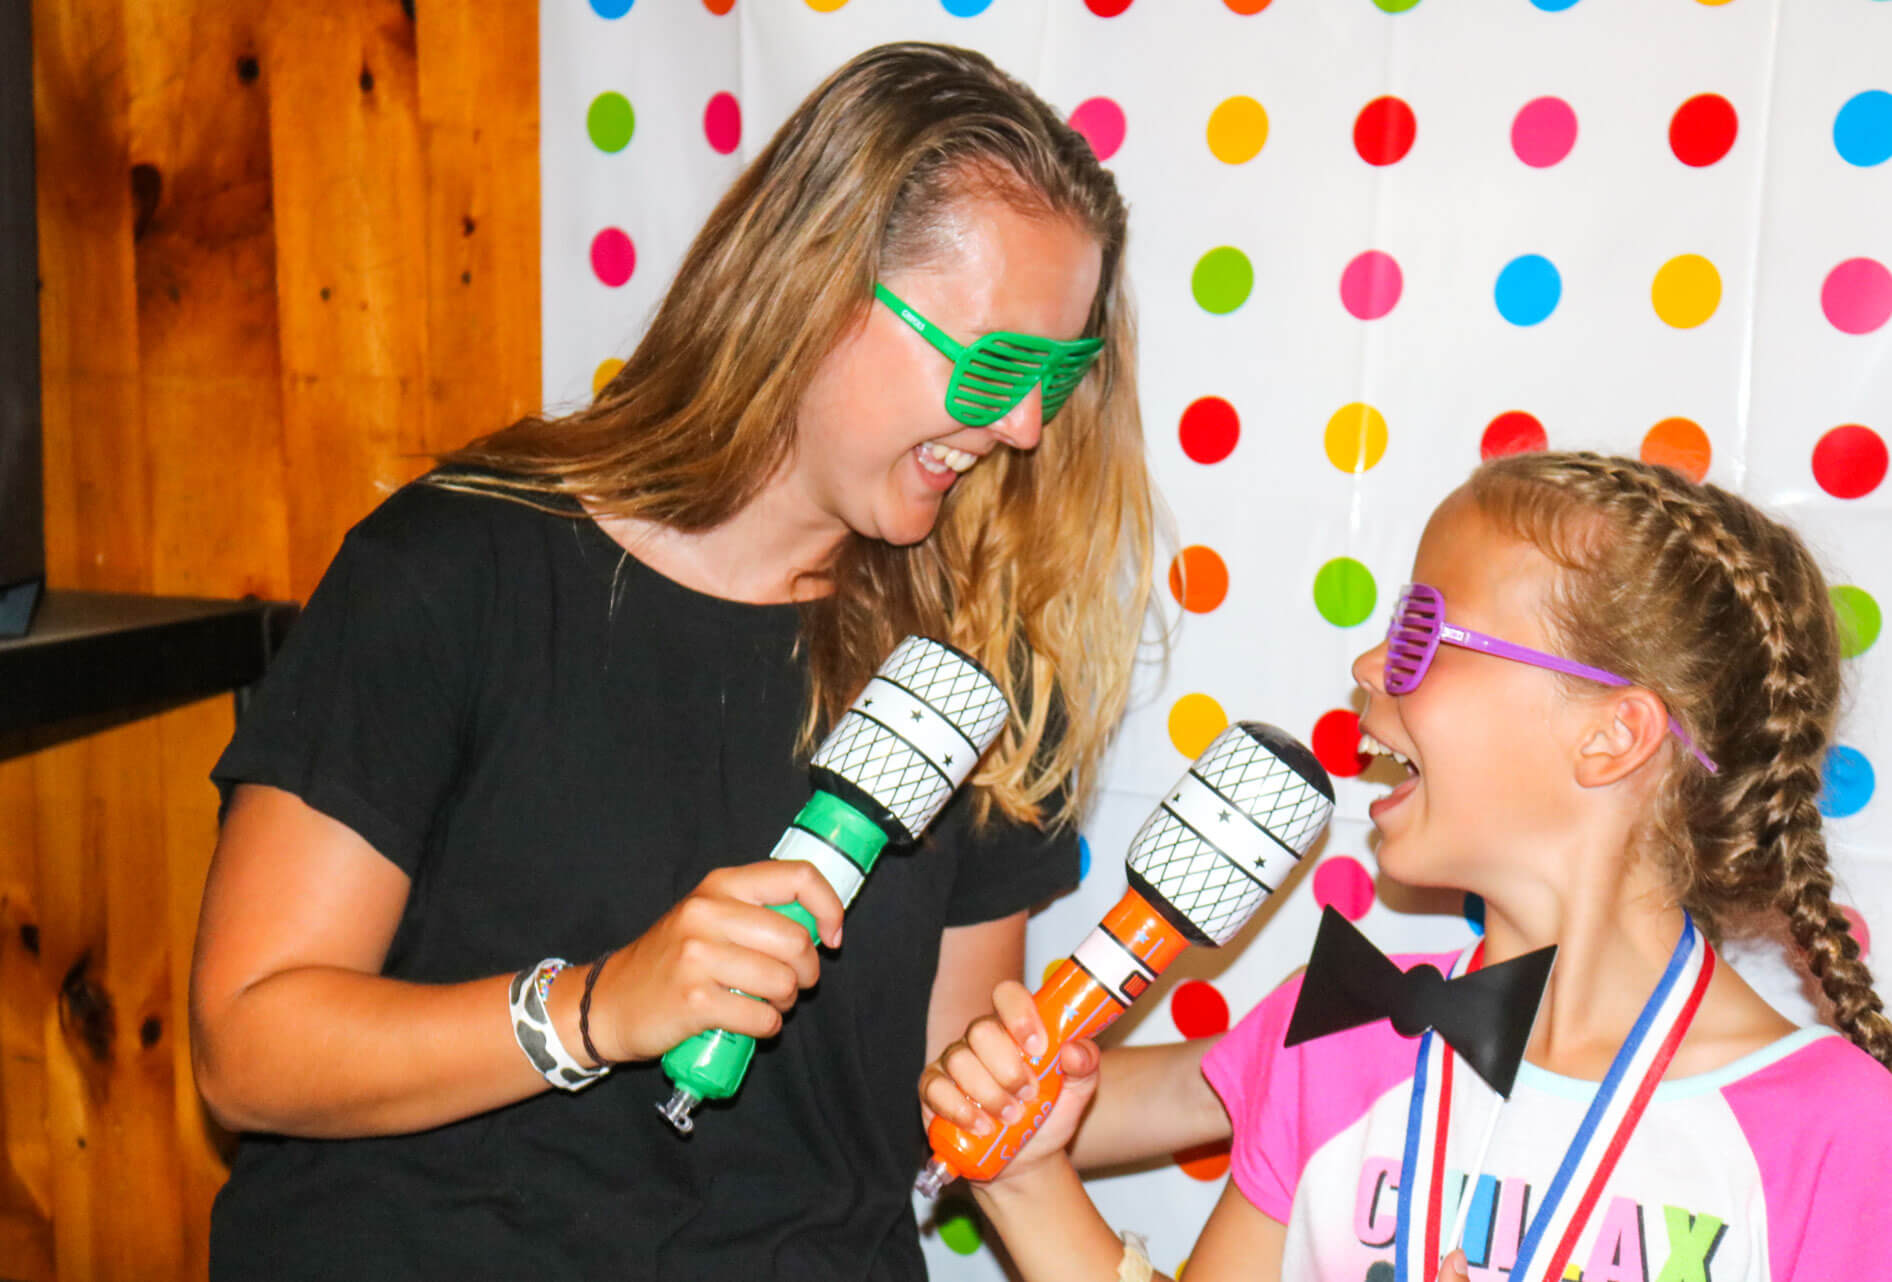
{"x":557,"y":702}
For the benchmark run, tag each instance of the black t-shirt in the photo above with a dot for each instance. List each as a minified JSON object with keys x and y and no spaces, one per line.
{"x":556,"y":743}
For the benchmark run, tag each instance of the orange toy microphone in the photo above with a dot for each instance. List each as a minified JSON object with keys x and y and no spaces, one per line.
{"x":1222,"y":839}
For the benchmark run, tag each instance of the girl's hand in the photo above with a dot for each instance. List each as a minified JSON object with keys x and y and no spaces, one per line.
{"x":676,"y":979}
{"x":984,"y":1082}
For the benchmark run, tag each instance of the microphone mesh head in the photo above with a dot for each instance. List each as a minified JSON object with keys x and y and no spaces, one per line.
{"x":1232,"y":828}
{"x":912,"y":736}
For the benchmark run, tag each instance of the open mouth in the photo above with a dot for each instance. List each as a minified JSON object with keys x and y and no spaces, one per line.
{"x":1405,"y":787}
{"x":941,"y":459}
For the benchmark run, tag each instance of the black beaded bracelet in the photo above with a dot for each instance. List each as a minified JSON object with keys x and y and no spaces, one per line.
{"x":584,"y":1011}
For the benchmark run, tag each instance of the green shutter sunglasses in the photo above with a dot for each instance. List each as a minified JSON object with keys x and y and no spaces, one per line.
{"x":998,"y":370}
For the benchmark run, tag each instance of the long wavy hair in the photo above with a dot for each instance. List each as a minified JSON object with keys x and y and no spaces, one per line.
{"x":1696,"y":595}
{"x":1039,"y":566}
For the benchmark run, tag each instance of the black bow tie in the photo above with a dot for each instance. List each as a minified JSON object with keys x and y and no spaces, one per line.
{"x":1485,"y":1016}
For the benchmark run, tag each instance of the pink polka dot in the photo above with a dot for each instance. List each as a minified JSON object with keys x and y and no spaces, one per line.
{"x":1857,"y":296}
{"x":722,"y":123}
{"x":1371,"y":284}
{"x":1199,"y":1009}
{"x":613,"y":257}
{"x":1101,"y":122}
{"x":1342,"y":884}
{"x":1860,"y":932}
{"x":1544,"y":132}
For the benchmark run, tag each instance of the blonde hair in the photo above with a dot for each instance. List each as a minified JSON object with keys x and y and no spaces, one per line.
{"x":1039,"y":566}
{"x":1696,"y":595}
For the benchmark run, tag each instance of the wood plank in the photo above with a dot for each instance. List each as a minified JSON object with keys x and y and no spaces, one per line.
{"x":350,"y":262}
{"x":24,"y":1161}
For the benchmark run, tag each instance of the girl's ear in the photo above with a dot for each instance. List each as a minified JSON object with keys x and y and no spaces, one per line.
{"x":1628,"y":729}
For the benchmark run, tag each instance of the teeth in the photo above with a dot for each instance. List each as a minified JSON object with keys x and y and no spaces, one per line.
{"x":957,"y":460}
{"x":1374,"y":748}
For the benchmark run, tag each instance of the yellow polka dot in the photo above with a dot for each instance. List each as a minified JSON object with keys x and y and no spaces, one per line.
{"x":1051,"y":968}
{"x":1716,"y":3}
{"x":1686,"y":291}
{"x":1179,"y":1269}
{"x":1194,"y":721}
{"x":1356,"y":437}
{"x":606,"y":371}
{"x":1237,"y":129}
{"x":825,"y":6}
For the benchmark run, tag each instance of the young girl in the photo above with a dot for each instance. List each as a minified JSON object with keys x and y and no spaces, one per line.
{"x":1631,"y":819}
{"x":557,"y":702}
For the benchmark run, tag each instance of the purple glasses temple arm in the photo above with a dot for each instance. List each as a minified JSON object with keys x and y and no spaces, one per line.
{"x":1452,"y":634}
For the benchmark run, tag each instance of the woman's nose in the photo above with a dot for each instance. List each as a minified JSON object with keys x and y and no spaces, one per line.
{"x":1369,"y":670}
{"x":1024,"y":424}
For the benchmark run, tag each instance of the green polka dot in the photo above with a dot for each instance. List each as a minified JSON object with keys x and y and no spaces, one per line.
{"x":1344,"y":592}
{"x":1222,"y":280}
{"x":610,"y":121}
{"x":960,"y":1231}
{"x":1395,"y":6}
{"x":1859,"y":619}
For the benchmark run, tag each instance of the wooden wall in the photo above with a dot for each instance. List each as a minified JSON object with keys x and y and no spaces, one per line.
{"x":286,"y":249}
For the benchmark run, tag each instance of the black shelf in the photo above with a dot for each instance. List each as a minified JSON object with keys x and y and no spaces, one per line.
{"x":93,"y":654}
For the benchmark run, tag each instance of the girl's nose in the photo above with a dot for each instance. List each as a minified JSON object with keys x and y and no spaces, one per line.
{"x":1369,"y":670}
{"x":1024,"y":425}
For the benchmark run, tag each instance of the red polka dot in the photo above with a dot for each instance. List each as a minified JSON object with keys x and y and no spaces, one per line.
{"x":613,"y":257}
{"x":1107,"y":8}
{"x":1342,"y":884}
{"x":1337,"y":743}
{"x":1703,"y":129}
{"x":1198,"y":1009}
{"x":1101,"y":122}
{"x":722,"y":123}
{"x":1512,"y":432}
{"x":719,"y":7}
{"x":1248,"y":6}
{"x":1857,"y":924}
{"x":1209,"y":430}
{"x":1384,"y":130}
{"x":1849,"y":461}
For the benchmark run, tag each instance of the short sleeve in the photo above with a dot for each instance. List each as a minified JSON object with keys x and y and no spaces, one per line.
{"x":1004,"y":866}
{"x":1247,"y":1069}
{"x":362,"y":715}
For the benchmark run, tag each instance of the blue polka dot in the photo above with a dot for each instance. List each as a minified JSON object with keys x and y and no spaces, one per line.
{"x":1475,"y":911}
{"x":1863,"y":129}
{"x":1083,"y":858}
{"x":611,"y":8}
{"x":965,"y":8}
{"x":1849,"y":782}
{"x":1528,"y":289}
{"x":1553,"y":6}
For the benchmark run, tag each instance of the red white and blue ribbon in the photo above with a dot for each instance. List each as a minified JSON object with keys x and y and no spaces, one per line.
{"x":1572,"y":1195}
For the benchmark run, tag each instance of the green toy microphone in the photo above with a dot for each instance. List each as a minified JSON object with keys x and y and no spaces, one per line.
{"x":883,"y":773}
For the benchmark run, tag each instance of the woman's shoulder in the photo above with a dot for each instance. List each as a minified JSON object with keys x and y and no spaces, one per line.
{"x":446,"y":519}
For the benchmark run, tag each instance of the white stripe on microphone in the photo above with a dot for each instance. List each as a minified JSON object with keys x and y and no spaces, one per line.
{"x":1241,"y":840}
{"x":836,"y":868}
{"x":921,"y":726}
{"x":1104,"y":957}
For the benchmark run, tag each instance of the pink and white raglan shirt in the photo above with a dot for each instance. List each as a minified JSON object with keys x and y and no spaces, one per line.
{"x":1775,"y":1167}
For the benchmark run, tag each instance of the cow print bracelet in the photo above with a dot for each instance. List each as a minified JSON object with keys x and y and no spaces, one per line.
{"x":532,"y":1028}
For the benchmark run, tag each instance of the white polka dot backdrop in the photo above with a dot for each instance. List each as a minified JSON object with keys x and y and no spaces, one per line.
{"x":1372,"y":241}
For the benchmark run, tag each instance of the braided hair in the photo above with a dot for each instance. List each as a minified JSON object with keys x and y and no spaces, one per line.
{"x":1696,"y":595}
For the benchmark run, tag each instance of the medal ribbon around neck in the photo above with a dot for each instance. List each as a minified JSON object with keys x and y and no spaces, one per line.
{"x":1599,"y":1141}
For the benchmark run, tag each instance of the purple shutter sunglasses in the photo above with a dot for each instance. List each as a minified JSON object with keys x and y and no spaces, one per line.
{"x":1419,"y":626}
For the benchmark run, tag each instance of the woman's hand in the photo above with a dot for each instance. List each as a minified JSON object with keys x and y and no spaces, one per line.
{"x":984,"y":1081}
{"x":676,"y":979}
{"x":1454,"y":1268}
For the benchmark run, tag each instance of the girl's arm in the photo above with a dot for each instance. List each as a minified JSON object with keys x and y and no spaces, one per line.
{"x":295,"y":1031}
{"x":1150,"y":1101}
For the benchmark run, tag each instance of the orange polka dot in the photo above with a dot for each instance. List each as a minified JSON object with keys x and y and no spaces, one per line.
{"x":1205,"y":1162}
{"x":1681,"y":444}
{"x":1198,"y":579}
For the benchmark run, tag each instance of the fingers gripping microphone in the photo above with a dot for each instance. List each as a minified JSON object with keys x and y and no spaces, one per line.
{"x":905,"y":744}
{"x":1222,"y":839}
